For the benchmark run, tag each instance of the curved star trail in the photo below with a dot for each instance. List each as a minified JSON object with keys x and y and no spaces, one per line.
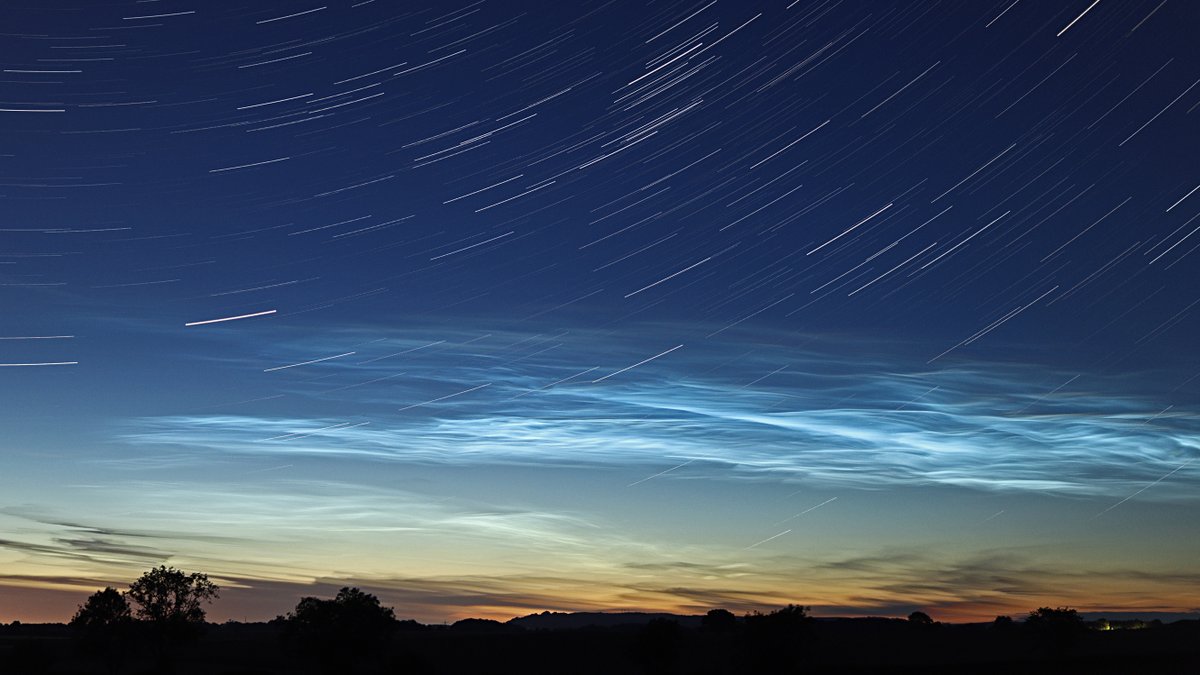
{"x":504,"y":307}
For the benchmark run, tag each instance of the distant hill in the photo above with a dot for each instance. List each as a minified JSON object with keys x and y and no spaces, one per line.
{"x":1165,"y":617}
{"x":573,"y":620}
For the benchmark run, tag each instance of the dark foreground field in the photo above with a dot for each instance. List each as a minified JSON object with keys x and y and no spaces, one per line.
{"x":661,"y":646}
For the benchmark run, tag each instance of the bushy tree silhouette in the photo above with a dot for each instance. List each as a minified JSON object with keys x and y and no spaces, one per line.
{"x":1055,"y":628}
{"x":103,"y":610}
{"x":788,"y":619}
{"x":104,"y":623}
{"x":775,"y":641}
{"x":1059,"y":616}
{"x":340,"y":632}
{"x":171,"y":603}
{"x":920,"y":619}
{"x":171,"y":598}
{"x":719,"y":621}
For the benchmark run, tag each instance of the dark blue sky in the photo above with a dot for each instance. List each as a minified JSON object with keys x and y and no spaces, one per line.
{"x":515,"y":282}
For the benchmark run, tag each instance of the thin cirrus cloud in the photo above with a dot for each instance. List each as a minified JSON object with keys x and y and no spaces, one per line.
{"x":829,"y":419}
{"x":432,"y":557}
{"x":295,"y":531}
{"x":437,"y":557}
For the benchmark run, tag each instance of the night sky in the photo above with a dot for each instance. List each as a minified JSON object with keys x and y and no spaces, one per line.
{"x":499,"y":307}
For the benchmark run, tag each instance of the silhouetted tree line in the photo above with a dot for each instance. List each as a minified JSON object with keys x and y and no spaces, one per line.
{"x":340,"y":633}
{"x":163,"y":610}
{"x":158,"y":625}
{"x":167,"y":610}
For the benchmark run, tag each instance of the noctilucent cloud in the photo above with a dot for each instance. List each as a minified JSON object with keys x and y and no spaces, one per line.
{"x":492,"y":308}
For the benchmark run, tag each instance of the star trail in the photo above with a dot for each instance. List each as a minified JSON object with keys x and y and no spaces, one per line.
{"x":498,"y":307}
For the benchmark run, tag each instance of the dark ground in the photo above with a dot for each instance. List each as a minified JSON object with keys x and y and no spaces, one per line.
{"x":479,"y":647}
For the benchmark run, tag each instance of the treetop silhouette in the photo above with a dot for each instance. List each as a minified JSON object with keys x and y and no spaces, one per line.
{"x":102,"y":610}
{"x":166,"y":595}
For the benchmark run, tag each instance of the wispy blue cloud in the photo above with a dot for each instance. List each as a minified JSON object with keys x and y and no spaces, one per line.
{"x":832,"y":419}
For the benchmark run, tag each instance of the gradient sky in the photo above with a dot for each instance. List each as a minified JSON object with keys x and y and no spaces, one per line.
{"x":613,"y":305}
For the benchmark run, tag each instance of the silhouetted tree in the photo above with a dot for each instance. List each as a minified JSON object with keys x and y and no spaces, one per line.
{"x":103,"y":609}
{"x":718,"y":621}
{"x":170,"y":597}
{"x":103,"y":623}
{"x":1056,"y":628}
{"x":171,"y":602}
{"x":721,"y":635}
{"x":342,"y":631}
{"x":1060,"y":617}
{"x":791,"y":618}
{"x":920,"y":619}
{"x":774,"y":641}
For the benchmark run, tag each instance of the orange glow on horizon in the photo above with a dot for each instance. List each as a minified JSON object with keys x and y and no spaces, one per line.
{"x":56,"y":602}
